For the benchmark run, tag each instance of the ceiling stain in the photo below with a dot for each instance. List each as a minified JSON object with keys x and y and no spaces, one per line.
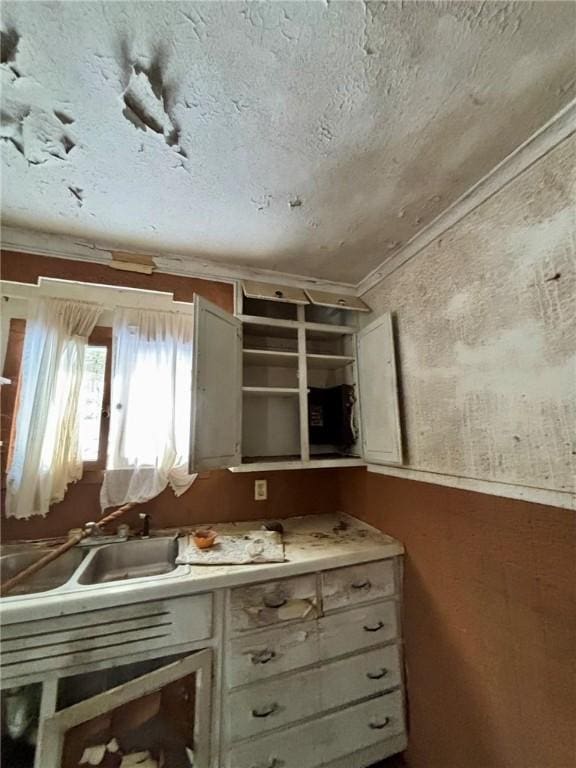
{"x":201,"y":118}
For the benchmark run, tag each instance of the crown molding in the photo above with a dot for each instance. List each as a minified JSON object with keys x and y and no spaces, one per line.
{"x":78,"y":249}
{"x":546,"y":138}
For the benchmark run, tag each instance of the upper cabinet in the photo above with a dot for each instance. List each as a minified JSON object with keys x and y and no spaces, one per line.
{"x":215,"y":433}
{"x":292,"y":382}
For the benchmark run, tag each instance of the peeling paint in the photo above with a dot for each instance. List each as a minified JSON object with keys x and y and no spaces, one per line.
{"x":371,"y":111}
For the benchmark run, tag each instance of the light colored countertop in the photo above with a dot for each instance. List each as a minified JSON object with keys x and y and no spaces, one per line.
{"x":312,"y":543}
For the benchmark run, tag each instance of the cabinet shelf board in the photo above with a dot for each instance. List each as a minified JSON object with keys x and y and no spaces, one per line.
{"x":266,"y":465}
{"x":270,"y":391}
{"x":266,"y":357}
{"x":329,"y":361}
{"x":311,"y":328}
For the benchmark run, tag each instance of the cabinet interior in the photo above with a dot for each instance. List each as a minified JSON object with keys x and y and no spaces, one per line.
{"x":298,"y":375}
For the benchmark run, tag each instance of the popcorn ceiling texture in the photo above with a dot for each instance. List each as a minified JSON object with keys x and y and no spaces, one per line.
{"x":308,"y":137}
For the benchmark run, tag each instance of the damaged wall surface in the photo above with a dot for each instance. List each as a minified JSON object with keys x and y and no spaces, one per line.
{"x":486,"y":323}
{"x":313,"y":138}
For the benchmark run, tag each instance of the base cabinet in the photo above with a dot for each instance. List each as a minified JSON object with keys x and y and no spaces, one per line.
{"x":321,"y":683}
{"x":299,"y":672}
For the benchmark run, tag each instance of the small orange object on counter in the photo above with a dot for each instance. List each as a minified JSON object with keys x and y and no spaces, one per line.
{"x":204,"y":538}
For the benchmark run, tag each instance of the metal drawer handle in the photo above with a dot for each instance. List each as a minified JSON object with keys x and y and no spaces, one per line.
{"x":265,"y":711}
{"x":342,"y":302}
{"x":380,"y":725}
{"x":374,"y":628}
{"x":377,"y":675}
{"x":274,"y":763}
{"x":263,"y":657}
{"x":275,"y":602}
{"x":366,"y":584}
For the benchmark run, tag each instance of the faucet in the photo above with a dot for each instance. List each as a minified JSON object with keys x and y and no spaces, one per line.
{"x":93,"y":530}
{"x":145,"y":532}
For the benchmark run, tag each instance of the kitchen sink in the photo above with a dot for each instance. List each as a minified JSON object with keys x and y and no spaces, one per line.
{"x":52,"y":576}
{"x":130,"y":560}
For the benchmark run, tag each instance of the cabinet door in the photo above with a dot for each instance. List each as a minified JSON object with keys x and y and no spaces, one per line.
{"x":215,"y":432}
{"x":163,"y":714}
{"x":381,"y":443}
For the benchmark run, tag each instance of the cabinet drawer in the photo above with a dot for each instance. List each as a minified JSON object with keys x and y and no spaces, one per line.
{"x":324,"y":739}
{"x":277,"y":650}
{"x":273,"y":602}
{"x":276,"y":703}
{"x":346,"y":587}
{"x":353,"y":630}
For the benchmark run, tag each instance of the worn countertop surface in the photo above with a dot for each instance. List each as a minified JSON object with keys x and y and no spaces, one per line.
{"x":312,"y":543}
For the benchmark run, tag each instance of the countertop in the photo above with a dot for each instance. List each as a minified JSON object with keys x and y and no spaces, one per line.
{"x":312,"y":543}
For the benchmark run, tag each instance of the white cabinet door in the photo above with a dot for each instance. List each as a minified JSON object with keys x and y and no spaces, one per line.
{"x":381,"y":443}
{"x":215,"y":432}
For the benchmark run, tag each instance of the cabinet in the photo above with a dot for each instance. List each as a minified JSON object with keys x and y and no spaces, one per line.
{"x":292,"y":381}
{"x":312,"y":670}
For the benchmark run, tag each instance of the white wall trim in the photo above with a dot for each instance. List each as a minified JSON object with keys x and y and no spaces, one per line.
{"x":563,"y":499}
{"x":552,"y":133}
{"x":77,"y":249}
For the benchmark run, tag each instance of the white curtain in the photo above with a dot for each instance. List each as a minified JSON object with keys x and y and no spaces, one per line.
{"x":45,"y":452}
{"x":148,"y":446}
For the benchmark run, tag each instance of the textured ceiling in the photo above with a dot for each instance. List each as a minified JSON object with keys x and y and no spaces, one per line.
{"x":307,"y":137}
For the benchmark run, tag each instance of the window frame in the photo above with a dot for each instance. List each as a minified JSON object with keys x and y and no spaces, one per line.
{"x":101,"y":336}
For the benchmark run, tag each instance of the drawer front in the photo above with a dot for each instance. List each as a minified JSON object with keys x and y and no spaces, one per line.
{"x":85,"y":638}
{"x":274,"y":602}
{"x":269,"y":653}
{"x":354,"y":630}
{"x":324,"y":739}
{"x":347,"y":587}
{"x":276,"y":703}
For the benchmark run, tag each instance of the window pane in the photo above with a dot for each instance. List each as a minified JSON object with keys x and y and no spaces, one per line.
{"x":91,"y":395}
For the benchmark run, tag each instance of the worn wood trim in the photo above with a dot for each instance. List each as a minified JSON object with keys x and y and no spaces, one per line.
{"x":303,"y":387}
{"x":62,"y":247}
{"x":552,"y":133}
{"x":563,"y":499}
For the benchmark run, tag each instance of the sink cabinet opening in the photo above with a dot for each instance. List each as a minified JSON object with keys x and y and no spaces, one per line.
{"x":154,"y":713}
{"x":20,"y":708}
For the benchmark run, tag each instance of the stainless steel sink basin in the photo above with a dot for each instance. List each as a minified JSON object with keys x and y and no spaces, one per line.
{"x":131,"y":560}
{"x":52,"y":576}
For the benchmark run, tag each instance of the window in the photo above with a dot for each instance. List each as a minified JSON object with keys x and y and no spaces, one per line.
{"x":91,"y":401}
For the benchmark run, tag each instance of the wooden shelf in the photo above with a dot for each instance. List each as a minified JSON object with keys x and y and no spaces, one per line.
{"x":270,"y":391}
{"x":267,"y":464}
{"x":329,"y":361}
{"x":269,"y":357}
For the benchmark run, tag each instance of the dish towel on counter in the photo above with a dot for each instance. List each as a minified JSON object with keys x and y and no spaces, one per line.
{"x":241,"y":549}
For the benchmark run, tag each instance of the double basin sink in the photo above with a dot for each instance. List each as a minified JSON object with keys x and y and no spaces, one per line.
{"x":120,"y":561}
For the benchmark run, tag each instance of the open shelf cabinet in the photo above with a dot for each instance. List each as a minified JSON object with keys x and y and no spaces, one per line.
{"x":283,"y":384}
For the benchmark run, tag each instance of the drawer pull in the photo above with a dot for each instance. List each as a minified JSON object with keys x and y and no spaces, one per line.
{"x":274,"y":763}
{"x":275,"y":601}
{"x":279,"y":294}
{"x":377,"y":675}
{"x":365,"y":584}
{"x":374,"y":627}
{"x":265,"y":711}
{"x":380,"y":725}
{"x":263,"y":657}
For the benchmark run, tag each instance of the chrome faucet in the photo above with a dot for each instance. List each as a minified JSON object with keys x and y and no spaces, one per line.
{"x":145,"y":532}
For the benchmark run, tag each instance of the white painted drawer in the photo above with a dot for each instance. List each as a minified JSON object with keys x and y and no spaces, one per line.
{"x":83,"y":638}
{"x":324,"y":739}
{"x":353,"y":630}
{"x":276,"y":703}
{"x":347,"y":587}
{"x":271,"y":652}
{"x":273,"y":602}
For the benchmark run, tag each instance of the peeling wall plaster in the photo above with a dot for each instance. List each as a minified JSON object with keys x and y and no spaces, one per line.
{"x":313,"y":138}
{"x":486,"y":320}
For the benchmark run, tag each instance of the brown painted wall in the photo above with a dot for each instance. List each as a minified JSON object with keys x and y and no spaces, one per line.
{"x":490,"y":622}
{"x":216,"y":496}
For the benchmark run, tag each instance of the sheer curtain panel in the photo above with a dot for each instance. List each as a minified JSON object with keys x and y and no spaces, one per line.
{"x":148,"y":446}
{"x":45,"y":455}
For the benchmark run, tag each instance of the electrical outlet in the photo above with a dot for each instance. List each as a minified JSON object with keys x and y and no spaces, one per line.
{"x":260,"y":490}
